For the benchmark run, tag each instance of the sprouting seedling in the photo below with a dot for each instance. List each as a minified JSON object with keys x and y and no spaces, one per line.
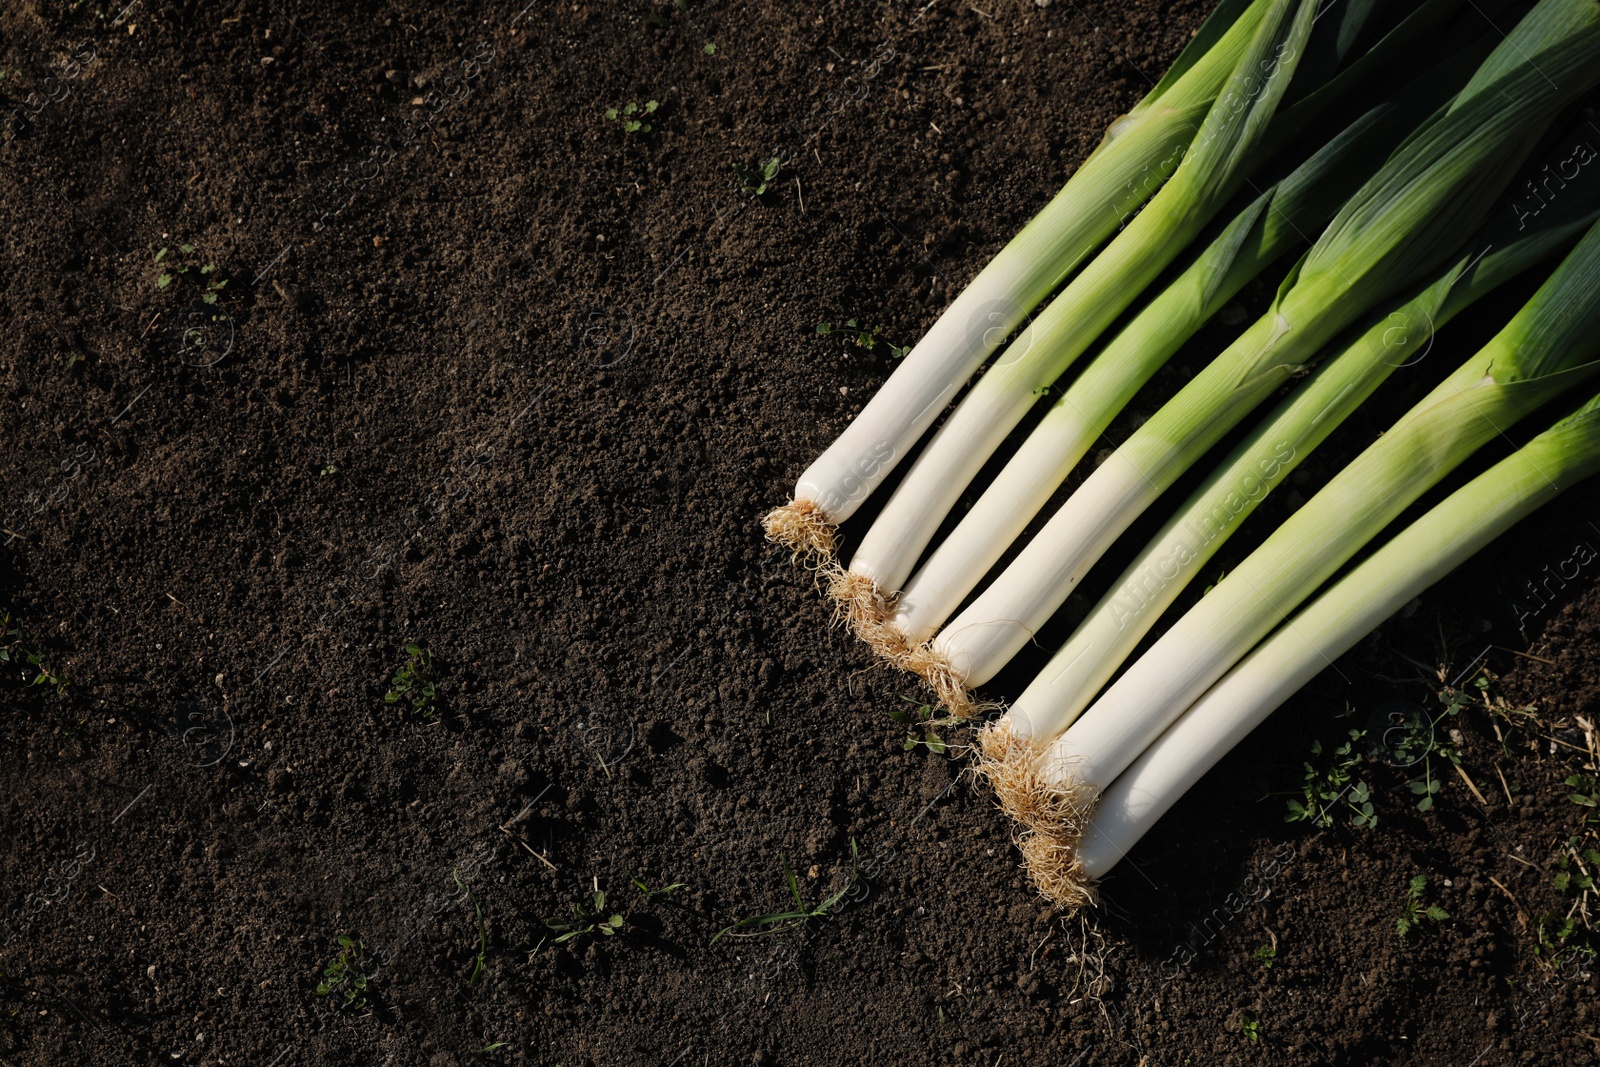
{"x":1266,"y":955}
{"x":1412,"y":740}
{"x":181,"y":266}
{"x":632,"y":116}
{"x":586,"y":920}
{"x":1571,"y":933}
{"x":645,"y":892}
{"x":924,"y":719}
{"x":345,"y":978}
{"x":45,"y":674}
{"x":1334,"y":784}
{"x":1575,"y":871}
{"x":10,"y":637}
{"x":414,"y":682}
{"x":778,"y":922}
{"x":1554,"y":934}
{"x":12,"y":650}
{"x":754,"y":180}
{"x":1416,"y":907}
{"x":1586,"y":794}
{"x":867,"y":337}
{"x":1249,"y":1027}
{"x":480,"y":961}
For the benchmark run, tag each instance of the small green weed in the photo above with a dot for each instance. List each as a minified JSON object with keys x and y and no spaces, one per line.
{"x":645,"y":892}
{"x":1332,"y":782}
{"x":184,"y":267}
{"x":1560,"y":937}
{"x":1249,"y":1027}
{"x":1577,"y":865}
{"x":633,"y":116}
{"x":480,"y":961}
{"x":778,"y":922}
{"x":867,"y":337}
{"x":1575,"y":872}
{"x":414,"y":683}
{"x":1266,"y":955}
{"x":588,"y":920}
{"x":754,"y":180}
{"x":1585,"y":793}
{"x":1410,"y":738}
{"x":46,"y":674}
{"x":12,"y":651}
{"x":1507,"y":718}
{"x":10,"y":638}
{"x":924,"y":719}
{"x":1416,"y":908}
{"x":1574,"y":866}
{"x":345,"y":978}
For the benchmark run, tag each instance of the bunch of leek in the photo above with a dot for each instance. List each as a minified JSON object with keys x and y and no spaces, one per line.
{"x":1407,"y":194}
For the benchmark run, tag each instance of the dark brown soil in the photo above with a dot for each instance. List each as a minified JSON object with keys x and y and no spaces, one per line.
{"x":491,"y":374}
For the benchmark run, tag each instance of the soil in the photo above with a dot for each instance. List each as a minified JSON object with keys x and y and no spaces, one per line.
{"x":491,"y":373}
